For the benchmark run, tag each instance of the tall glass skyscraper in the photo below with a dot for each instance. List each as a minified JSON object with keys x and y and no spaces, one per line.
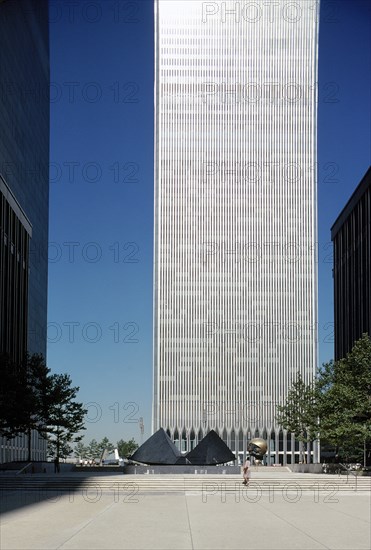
{"x":235,"y":284}
{"x":24,"y":190}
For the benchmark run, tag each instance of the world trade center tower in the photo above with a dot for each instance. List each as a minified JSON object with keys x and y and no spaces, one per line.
{"x":235,"y":275}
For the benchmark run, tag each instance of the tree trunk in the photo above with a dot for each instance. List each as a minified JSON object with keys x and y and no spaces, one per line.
{"x":364,"y":453}
{"x":29,"y":434}
{"x":301,"y":449}
{"x":58,"y":444}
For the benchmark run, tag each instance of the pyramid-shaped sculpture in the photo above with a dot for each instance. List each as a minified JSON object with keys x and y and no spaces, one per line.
{"x":210,"y":450}
{"x":158,"y":449}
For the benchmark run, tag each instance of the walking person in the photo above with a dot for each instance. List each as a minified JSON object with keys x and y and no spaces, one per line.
{"x":246,"y":472}
{"x":56,"y":465}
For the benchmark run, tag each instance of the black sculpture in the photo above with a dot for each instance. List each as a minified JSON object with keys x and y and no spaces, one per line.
{"x":159,"y":449}
{"x":210,"y":450}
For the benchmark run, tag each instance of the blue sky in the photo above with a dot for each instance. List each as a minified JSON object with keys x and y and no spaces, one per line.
{"x":101,"y":192}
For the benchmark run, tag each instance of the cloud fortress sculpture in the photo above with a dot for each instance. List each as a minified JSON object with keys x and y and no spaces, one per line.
{"x":160,"y":450}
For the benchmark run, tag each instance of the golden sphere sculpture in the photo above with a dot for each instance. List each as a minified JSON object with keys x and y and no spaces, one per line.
{"x":257,"y":447}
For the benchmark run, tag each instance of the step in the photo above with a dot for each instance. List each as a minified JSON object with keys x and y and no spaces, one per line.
{"x":159,"y":483}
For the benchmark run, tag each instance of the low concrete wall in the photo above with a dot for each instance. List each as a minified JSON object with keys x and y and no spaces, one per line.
{"x":212,"y":470}
{"x":35,"y":467}
{"x":48,"y":467}
{"x":306,"y":468}
{"x":332,"y":470}
{"x":63,"y":467}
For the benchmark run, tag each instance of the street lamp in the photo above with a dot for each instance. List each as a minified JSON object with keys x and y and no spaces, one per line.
{"x":141,"y":427}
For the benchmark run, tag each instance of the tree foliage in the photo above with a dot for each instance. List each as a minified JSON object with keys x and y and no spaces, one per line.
{"x":93,"y":450}
{"x":80,"y":450}
{"x":105,"y":445}
{"x":65,"y":449}
{"x":343,"y":399}
{"x":21,"y":398}
{"x":22,"y":389}
{"x":126,"y":448}
{"x":63,"y":416}
{"x":298,"y":415}
{"x":33,"y":399}
{"x":337,"y":406}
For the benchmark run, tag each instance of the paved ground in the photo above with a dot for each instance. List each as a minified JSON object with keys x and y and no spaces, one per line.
{"x":208,"y":519}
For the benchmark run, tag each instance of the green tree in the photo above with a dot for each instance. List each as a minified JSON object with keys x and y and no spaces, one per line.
{"x":298,"y":415}
{"x":63,"y":416}
{"x":80,"y":450}
{"x":105,"y":444}
{"x":65,"y":449}
{"x":21,"y":396}
{"x":93,"y":450}
{"x":32,"y":399}
{"x":126,"y":448}
{"x":344,"y":399}
{"x":338,"y":405}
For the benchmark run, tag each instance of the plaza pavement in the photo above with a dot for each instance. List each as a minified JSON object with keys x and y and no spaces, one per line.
{"x":209,"y":515}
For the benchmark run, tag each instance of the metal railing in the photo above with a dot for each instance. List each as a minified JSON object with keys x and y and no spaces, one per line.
{"x":23,"y":470}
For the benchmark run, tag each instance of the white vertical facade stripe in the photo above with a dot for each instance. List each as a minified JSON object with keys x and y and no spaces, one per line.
{"x":235,"y":275}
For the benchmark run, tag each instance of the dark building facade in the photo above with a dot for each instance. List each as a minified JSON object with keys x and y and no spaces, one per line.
{"x":24,"y":139}
{"x":16,"y":231}
{"x":24,"y":170}
{"x":351,"y":236}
